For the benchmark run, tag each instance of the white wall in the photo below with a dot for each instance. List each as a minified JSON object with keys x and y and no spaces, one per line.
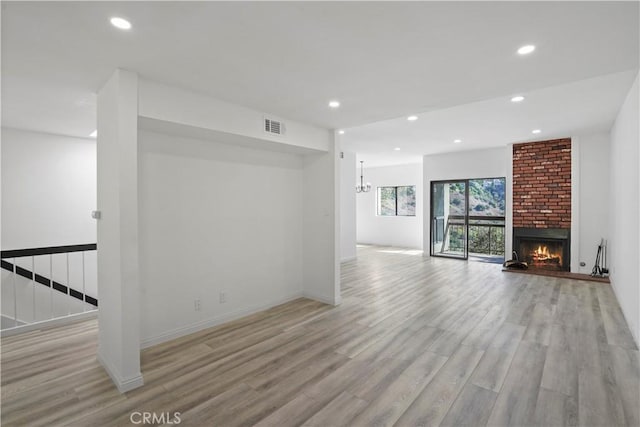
{"x":593,"y":197}
{"x":490,"y":163}
{"x":400,"y":231}
{"x":624,"y":211}
{"x":170,"y":104}
{"x":48,"y":193}
{"x":216,"y":218}
{"x":348,"y":206}
{"x":48,"y":190}
{"x":269,"y":254}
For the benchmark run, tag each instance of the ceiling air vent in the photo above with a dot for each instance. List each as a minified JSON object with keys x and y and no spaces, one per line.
{"x":273,"y":126}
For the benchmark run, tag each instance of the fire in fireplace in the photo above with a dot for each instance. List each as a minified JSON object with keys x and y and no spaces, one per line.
{"x":544,"y":249}
{"x":546,"y":256}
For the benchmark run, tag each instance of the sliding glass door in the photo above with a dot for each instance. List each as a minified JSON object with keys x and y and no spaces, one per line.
{"x":486,"y":219}
{"x":468,"y":218}
{"x":449,"y":219}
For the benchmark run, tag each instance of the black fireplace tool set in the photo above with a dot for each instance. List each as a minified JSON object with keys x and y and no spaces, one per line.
{"x":515,"y":263}
{"x":600,"y":268}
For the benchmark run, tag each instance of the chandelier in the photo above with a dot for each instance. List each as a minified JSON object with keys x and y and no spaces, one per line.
{"x":362,"y":187}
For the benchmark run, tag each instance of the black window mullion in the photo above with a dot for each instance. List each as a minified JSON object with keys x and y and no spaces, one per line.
{"x":396,"y":197}
{"x":384,"y":194}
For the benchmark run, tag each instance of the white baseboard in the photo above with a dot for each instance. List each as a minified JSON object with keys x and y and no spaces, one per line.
{"x":215,"y":321}
{"x":30,"y":327}
{"x":123,"y":384}
{"x":349,"y":258}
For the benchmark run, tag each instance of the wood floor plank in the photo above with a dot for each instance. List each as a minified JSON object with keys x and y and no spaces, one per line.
{"x":472,"y":407}
{"x":339,"y":380}
{"x":339,"y":412}
{"x":614,"y":323}
{"x":252,"y":411}
{"x":599,"y":401}
{"x":562,"y":364}
{"x":390,"y":403}
{"x":539,"y":328}
{"x":626,"y":367}
{"x":207,"y":409}
{"x":433,"y":403}
{"x":555,"y":409}
{"x":496,"y":361}
{"x":378,"y":378}
{"x":483,"y":332}
{"x":295,"y":412}
{"x":517,"y":399}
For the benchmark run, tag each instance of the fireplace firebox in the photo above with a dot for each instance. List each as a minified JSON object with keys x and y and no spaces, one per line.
{"x":543,"y":248}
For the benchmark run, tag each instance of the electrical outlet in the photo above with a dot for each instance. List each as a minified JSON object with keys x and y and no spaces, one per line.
{"x":223,"y":297}
{"x":197,"y":305}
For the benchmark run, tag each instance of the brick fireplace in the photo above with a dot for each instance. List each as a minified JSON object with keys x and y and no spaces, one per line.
{"x":542,"y":203}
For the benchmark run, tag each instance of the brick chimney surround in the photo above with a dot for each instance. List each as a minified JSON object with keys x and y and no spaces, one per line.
{"x":542,"y":184}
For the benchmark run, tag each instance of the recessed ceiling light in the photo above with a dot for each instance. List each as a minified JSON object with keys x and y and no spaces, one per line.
{"x":94,"y":133}
{"x":524,"y":50}
{"x":457,"y":141}
{"x":518,"y":98}
{"x":412,"y":118}
{"x":341,"y":132}
{"x":121,"y":23}
{"x":397,"y":149}
{"x":536,"y":131}
{"x":334,"y":104}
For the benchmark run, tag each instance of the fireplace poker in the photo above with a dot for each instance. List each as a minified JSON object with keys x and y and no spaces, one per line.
{"x":604,"y":270}
{"x":597,"y":271}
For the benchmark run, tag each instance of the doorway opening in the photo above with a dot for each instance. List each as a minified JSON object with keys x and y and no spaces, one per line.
{"x":468,"y":219}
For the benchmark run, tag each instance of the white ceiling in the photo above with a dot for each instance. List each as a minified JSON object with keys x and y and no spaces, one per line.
{"x":582,"y":107}
{"x":382,"y":60}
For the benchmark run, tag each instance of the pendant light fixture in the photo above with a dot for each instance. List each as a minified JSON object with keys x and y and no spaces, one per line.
{"x":362,"y":187}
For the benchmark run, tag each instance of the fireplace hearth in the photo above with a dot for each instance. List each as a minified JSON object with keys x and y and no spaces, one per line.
{"x":543,"y":248}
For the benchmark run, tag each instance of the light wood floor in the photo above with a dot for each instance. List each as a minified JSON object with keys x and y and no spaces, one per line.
{"x":416,"y":341}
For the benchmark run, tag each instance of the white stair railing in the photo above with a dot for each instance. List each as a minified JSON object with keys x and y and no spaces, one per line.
{"x":25,"y":272}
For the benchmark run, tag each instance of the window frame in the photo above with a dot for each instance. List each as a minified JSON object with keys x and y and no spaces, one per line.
{"x":395,"y":192}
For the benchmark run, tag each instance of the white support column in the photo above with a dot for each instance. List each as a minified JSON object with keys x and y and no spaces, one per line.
{"x":508,"y":224}
{"x":348,"y":217}
{"x":575,"y":206}
{"x":321,"y":240}
{"x":118,"y":267}
{"x":334,"y":151}
{"x":426,"y":210}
